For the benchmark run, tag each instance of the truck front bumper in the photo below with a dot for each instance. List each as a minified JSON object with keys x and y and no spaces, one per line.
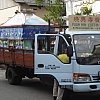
{"x":86,"y":87}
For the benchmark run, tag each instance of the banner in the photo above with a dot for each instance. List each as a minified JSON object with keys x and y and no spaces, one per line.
{"x":23,"y":32}
{"x":77,"y":22}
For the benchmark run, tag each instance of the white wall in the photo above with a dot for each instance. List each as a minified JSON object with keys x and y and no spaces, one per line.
{"x":7,"y":3}
{"x":96,"y":7}
{"x":7,"y":9}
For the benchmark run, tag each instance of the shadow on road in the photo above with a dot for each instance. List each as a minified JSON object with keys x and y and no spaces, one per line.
{"x":83,"y":96}
{"x":36,"y":84}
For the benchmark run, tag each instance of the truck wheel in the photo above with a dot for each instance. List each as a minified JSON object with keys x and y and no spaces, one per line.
{"x":13,"y":77}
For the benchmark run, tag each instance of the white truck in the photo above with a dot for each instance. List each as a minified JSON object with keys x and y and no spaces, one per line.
{"x":82,"y":73}
{"x":38,"y":56}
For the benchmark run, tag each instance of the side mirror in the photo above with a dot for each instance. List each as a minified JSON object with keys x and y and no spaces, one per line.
{"x":70,"y":51}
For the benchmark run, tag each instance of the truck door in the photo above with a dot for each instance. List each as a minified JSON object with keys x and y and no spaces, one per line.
{"x":47,"y":49}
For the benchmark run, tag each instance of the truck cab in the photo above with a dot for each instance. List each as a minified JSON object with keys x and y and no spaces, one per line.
{"x":81,"y":73}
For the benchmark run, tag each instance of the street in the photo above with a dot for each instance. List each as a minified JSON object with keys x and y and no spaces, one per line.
{"x":33,"y":89}
{"x":28,"y":90}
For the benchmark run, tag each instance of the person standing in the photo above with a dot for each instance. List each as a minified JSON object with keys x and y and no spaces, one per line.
{"x":57,"y":90}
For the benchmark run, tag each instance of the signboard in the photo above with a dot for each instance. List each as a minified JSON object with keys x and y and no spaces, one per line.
{"x":23,"y":32}
{"x":11,"y":33}
{"x":77,"y":22}
{"x":29,"y":31}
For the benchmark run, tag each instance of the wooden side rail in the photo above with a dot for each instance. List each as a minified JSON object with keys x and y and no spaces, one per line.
{"x":19,"y":57}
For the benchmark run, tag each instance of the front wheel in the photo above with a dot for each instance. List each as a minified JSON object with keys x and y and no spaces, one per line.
{"x":13,"y":77}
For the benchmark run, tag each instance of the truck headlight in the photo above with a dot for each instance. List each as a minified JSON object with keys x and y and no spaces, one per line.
{"x":81,"y":77}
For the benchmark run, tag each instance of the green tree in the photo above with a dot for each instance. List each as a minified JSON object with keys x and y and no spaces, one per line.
{"x":85,"y":10}
{"x":55,"y":11}
{"x":40,"y":2}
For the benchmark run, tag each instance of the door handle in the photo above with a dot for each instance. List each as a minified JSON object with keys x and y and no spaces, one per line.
{"x":40,"y":65}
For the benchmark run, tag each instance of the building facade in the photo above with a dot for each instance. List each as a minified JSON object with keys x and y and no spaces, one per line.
{"x":9,"y":7}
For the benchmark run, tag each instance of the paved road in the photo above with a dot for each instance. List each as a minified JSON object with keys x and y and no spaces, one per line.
{"x":28,"y":90}
{"x":33,"y":90}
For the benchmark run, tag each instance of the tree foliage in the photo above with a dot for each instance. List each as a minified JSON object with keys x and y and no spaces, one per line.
{"x":55,"y":11}
{"x":85,"y":10}
{"x":39,"y":2}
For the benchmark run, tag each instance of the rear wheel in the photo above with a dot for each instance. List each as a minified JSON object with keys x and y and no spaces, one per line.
{"x":13,"y":77}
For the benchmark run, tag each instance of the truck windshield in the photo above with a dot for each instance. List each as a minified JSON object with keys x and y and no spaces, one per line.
{"x":87,"y":48}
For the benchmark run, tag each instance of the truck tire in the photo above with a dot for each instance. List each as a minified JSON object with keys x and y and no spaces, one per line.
{"x":13,"y":77}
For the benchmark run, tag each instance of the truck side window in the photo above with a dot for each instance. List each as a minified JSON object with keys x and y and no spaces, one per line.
{"x":62,"y":51}
{"x":62,"y":46}
{"x":46,"y":44}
